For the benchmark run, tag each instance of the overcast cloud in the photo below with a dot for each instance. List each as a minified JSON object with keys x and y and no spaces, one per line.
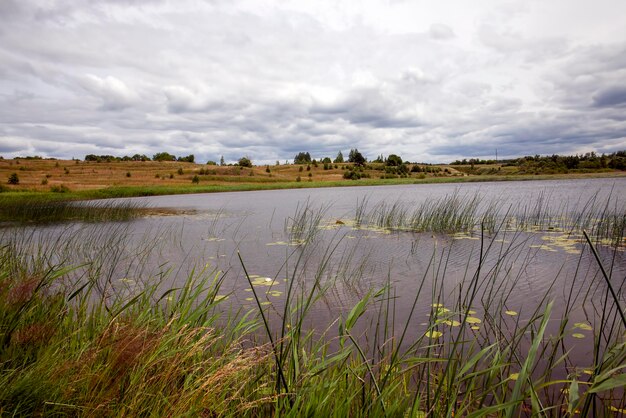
{"x":430,"y":81}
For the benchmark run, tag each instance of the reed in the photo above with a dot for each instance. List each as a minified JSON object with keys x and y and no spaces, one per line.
{"x":456,"y":213}
{"x":33,"y":208}
{"x":76,"y":339}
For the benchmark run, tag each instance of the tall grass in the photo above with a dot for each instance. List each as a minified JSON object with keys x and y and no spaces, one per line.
{"x":76,"y":340}
{"x":32,"y":208}
{"x":605,"y":220}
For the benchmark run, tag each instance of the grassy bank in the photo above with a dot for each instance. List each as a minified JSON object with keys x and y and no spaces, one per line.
{"x":74,"y":340}
{"x":92,"y":180}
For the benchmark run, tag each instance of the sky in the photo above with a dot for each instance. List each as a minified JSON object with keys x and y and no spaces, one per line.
{"x":431,"y":81}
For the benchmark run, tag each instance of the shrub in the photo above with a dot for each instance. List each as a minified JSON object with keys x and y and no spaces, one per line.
{"x":59,"y":189}
{"x":351,"y":175}
{"x":44,"y":181}
{"x":180,"y":171}
{"x":14,"y":179}
{"x":298,"y":179}
{"x":244,"y":162}
{"x":195,"y":179}
{"x":128,"y":174}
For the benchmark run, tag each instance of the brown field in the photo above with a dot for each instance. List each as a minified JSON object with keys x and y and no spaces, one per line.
{"x":43,"y":175}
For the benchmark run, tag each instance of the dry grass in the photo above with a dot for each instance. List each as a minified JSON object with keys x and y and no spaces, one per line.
{"x":42,"y":175}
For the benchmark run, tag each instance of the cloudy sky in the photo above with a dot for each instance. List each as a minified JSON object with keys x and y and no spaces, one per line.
{"x":431,"y":81}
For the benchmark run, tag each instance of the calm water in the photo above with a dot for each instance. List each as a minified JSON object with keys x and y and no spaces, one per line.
{"x":519,"y":271}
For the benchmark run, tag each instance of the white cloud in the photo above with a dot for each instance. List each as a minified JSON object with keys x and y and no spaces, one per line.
{"x":270,"y":78}
{"x":114,"y":93}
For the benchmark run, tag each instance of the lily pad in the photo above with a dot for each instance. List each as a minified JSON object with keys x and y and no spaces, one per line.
{"x":514,"y":376}
{"x":433,"y":334}
{"x":583,"y":326}
{"x":578,"y":335}
{"x":473,"y":320}
{"x":511,"y":313}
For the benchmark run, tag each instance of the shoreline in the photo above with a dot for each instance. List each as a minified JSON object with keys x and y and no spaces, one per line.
{"x":112,"y":192}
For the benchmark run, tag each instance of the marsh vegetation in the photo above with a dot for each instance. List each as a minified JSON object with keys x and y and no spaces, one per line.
{"x":460,"y":305}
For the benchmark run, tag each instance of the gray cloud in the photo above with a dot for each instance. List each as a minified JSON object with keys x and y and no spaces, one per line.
{"x":612,"y":96}
{"x":232,"y":78}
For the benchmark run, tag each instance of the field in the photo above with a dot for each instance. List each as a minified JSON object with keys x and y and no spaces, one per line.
{"x":126,"y":178}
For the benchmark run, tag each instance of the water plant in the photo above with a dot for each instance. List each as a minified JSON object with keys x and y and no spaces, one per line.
{"x":34,"y":208}
{"x":88,"y":326}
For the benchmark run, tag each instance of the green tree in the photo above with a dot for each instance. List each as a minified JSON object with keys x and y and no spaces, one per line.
{"x":393,"y":161}
{"x":189,"y":159}
{"x":356,"y":157}
{"x":222,"y":163}
{"x":244,"y":162}
{"x":302,"y":158}
{"x":163,"y":156}
{"x":339,"y":158}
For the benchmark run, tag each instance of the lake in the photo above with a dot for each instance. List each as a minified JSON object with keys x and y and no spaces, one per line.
{"x":412,"y":240}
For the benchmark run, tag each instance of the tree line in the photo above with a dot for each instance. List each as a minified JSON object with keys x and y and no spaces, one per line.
{"x":558,"y":163}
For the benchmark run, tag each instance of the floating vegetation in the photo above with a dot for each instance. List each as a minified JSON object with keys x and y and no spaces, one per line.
{"x":578,"y":335}
{"x":510,"y":313}
{"x":433,"y":334}
{"x":582,"y":325}
{"x":262,"y":281}
{"x":472,"y":320}
{"x":213,"y":239}
{"x":274,"y":293}
{"x":293,"y":243}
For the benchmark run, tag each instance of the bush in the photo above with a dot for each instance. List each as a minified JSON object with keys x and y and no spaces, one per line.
{"x":195,"y":179}
{"x":59,"y":189}
{"x":128,"y":174}
{"x":244,"y":162}
{"x":180,"y":171}
{"x":14,"y":179}
{"x":351,"y":175}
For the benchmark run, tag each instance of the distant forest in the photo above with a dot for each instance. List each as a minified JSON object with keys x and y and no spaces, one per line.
{"x":546,"y":164}
{"x":557,"y":163}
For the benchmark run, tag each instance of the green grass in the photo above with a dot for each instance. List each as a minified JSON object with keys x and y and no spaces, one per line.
{"x":74,"y":340}
{"x":36,"y":208}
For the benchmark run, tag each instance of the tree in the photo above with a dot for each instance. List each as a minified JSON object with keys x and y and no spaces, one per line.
{"x":163,"y":156}
{"x":302,"y":158}
{"x":140,"y":157}
{"x":339,"y":158}
{"x":222,"y":163}
{"x":393,"y":160}
{"x":356,"y":157}
{"x":189,"y":159}
{"x":244,"y":162}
